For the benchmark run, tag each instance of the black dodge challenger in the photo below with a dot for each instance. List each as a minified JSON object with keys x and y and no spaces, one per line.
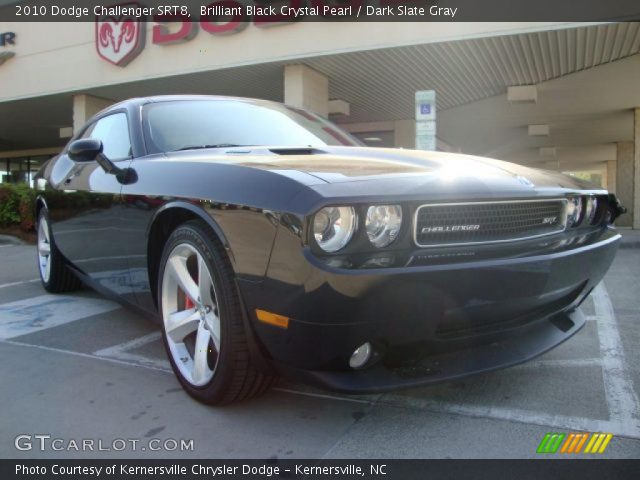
{"x":268,"y":241}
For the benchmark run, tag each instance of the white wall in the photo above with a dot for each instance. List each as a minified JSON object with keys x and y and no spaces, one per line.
{"x":61,"y":57}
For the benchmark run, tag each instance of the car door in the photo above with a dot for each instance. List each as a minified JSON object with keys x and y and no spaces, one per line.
{"x":90,"y":228}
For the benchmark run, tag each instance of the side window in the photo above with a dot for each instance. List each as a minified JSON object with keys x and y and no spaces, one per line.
{"x":113,"y":130}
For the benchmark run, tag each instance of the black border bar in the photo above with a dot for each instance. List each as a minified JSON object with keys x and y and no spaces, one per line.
{"x":320,"y":10}
{"x":583,"y":469}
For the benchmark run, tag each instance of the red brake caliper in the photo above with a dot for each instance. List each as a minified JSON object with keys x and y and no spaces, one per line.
{"x":188,"y":303}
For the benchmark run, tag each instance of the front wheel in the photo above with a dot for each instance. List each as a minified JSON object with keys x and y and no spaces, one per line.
{"x":203,"y":329}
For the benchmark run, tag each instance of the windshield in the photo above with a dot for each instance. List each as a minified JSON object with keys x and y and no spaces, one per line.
{"x":192,"y":124}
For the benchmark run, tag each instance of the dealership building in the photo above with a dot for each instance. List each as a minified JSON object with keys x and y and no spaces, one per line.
{"x":561,"y":96}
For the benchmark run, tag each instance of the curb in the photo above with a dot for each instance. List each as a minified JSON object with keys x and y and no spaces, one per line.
{"x":11,"y":240}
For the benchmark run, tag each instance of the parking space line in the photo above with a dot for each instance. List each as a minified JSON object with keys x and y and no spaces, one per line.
{"x":15,"y":284}
{"x":324,"y":395}
{"x":622,"y":401}
{"x":85,"y":355}
{"x":132,"y":358}
{"x":122,"y":352}
{"x":130,"y":345}
{"x":46,"y":311}
{"x":570,"y":362}
{"x":510,"y":414}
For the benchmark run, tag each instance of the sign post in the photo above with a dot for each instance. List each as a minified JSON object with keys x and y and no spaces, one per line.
{"x":426,"y":120}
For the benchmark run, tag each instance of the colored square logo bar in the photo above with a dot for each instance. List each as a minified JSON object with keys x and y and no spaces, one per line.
{"x":574,"y":443}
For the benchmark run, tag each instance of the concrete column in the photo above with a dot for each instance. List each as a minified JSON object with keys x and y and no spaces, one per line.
{"x":85,"y":107}
{"x":306,"y":88}
{"x":404,"y":133}
{"x":611,"y":176}
{"x":625,"y":175}
{"x":636,"y":173}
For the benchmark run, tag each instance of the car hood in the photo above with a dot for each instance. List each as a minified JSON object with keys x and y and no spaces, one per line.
{"x":364,"y":171}
{"x":359,"y":164}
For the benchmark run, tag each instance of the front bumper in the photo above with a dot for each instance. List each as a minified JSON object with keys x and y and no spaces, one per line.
{"x":429,"y":323}
{"x":519,"y":346}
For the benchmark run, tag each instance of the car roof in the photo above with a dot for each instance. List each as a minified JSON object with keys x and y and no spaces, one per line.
{"x":140,"y":101}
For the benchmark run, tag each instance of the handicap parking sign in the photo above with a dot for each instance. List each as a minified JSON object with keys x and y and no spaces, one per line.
{"x":425,"y":105}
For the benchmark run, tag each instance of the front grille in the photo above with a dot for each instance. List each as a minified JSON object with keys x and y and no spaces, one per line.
{"x":487,"y":222}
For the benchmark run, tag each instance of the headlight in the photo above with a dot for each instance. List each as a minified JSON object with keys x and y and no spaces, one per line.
{"x":333,"y":227}
{"x":383,"y":224}
{"x":574,"y":211}
{"x":590,"y":210}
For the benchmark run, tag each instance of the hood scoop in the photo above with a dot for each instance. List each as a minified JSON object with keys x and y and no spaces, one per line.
{"x":296,"y":151}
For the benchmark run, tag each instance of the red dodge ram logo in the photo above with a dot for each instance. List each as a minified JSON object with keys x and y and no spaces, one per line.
{"x":119,"y":39}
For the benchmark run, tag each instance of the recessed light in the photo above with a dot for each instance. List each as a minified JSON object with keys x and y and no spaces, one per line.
{"x":538,"y":130}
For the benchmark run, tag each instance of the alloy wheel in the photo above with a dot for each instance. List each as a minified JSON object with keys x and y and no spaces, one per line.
{"x":44,"y":250}
{"x":190,"y":314}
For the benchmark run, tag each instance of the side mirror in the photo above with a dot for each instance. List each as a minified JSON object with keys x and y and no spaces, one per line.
{"x":85,"y":150}
{"x":90,"y":149}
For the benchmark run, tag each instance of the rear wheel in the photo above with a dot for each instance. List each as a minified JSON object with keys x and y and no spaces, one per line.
{"x":203,"y":329}
{"x":54,"y":273}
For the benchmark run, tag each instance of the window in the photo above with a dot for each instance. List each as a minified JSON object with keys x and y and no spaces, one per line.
{"x":113,"y":130}
{"x":178,"y":125}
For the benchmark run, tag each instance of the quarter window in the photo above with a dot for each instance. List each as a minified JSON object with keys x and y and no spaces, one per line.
{"x":113,"y":130}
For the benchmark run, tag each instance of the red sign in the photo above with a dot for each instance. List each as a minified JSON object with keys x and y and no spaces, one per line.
{"x":119,"y":39}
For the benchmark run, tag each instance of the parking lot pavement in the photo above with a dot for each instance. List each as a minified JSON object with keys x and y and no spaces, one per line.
{"x":81,"y":367}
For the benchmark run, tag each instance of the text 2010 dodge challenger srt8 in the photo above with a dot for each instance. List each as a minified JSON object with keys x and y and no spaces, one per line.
{"x":269,"y":242}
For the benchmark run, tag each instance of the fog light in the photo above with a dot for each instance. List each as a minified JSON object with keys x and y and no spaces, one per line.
{"x":361,"y":356}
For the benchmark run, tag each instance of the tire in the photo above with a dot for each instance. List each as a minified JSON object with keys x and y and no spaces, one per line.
{"x":204,"y":336}
{"x":55,"y":276}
